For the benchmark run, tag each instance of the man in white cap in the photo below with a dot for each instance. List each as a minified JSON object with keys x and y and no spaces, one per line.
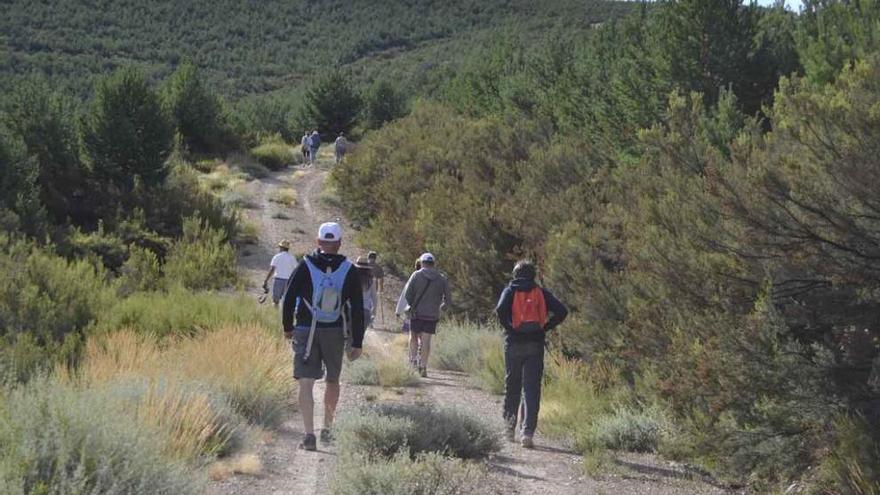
{"x":325,"y":299}
{"x":281,"y":267}
{"x":427,"y":294}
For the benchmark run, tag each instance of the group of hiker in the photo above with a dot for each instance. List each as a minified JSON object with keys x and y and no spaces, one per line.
{"x":311,"y":142}
{"x":328,"y":302}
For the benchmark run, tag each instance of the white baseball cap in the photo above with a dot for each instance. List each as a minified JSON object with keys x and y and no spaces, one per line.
{"x":330,"y":232}
{"x":426,"y":257}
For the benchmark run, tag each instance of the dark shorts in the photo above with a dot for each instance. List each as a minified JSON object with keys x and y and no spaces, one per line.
{"x":278,"y":287}
{"x":422,"y":326}
{"x":328,"y":347}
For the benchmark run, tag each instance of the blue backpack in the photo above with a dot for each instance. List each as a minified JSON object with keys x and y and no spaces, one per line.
{"x":326,"y":304}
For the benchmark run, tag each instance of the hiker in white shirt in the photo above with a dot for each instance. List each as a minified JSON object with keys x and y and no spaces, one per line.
{"x":281,"y":268}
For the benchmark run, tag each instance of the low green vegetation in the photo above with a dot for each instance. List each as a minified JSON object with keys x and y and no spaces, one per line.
{"x":399,"y":448}
{"x":428,"y":474}
{"x":476,"y":350}
{"x":274,"y":155}
{"x":55,"y":438}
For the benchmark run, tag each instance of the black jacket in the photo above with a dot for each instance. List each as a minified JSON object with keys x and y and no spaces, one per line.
{"x":300,"y":287}
{"x":557,"y":311}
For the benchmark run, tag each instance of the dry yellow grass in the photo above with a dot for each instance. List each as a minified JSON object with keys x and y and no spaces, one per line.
{"x":222,"y":178}
{"x":245,"y":365}
{"x":242,"y":464}
{"x":254,"y":368}
{"x":192,"y":426}
{"x":284,"y":196}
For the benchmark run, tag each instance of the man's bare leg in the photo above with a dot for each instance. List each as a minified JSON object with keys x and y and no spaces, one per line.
{"x":331,"y":399}
{"x":413,"y":347}
{"x":307,"y":404}
{"x":425,"y":350}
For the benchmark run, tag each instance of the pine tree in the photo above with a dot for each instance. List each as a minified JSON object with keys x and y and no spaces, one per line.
{"x":384,"y":103}
{"x":46,"y":122}
{"x":331,"y":105}
{"x":198,"y":113}
{"x":126,"y":133}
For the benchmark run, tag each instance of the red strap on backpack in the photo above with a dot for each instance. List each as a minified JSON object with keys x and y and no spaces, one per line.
{"x":529,"y":310}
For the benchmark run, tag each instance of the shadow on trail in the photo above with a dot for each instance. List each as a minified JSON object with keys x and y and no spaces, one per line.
{"x":655,"y":473}
{"x":497,"y":464}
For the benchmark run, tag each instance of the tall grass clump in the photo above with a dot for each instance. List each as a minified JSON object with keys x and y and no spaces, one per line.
{"x":248,"y":366}
{"x":427,"y":474}
{"x":387,"y":429}
{"x":476,"y":350}
{"x":184,"y":312}
{"x":384,"y":364}
{"x":284,"y":196}
{"x":55,"y":439}
{"x":252,"y":367}
{"x":196,"y":422}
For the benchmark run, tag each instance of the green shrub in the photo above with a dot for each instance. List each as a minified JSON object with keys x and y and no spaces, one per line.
{"x":386,"y":429}
{"x":364,"y":371}
{"x":46,"y":303}
{"x":628,"y":429}
{"x":428,"y":474}
{"x":274,"y":156}
{"x":183,"y":312}
{"x":853,"y":465}
{"x":202,"y":259}
{"x":55,"y":439}
{"x":141,"y":272}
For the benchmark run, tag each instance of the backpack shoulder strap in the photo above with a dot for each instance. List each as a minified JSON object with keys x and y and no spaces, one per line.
{"x":421,"y":294}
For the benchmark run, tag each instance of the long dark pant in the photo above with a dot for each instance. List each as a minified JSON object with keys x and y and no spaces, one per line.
{"x":524,"y":368}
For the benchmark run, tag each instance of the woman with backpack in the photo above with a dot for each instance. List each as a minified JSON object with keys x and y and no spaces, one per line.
{"x":527,"y":312}
{"x":400,"y":311}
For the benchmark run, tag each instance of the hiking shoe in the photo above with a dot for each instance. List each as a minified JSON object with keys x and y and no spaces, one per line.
{"x":423,"y":372}
{"x":326,"y":435}
{"x":309,"y":443}
{"x":527,"y":441}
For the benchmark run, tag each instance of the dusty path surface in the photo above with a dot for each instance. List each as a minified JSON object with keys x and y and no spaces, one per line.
{"x":550,"y":469}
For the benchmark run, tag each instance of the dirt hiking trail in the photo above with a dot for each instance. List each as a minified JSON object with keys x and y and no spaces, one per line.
{"x":549,"y":469}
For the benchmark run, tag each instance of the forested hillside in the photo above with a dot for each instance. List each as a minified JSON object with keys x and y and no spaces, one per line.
{"x":252,"y":47}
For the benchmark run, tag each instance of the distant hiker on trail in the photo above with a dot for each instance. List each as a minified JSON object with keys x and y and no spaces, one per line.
{"x":523,"y":312}
{"x":304,"y":142}
{"x":314,"y":144}
{"x":400,"y":312}
{"x":340,"y":146}
{"x":368,"y":286}
{"x":378,"y":277}
{"x":281,"y":267}
{"x":325,"y":293}
{"x":427,"y":294}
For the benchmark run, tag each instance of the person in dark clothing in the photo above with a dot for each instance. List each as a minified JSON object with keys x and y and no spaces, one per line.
{"x":325,"y":300}
{"x":527,"y":312}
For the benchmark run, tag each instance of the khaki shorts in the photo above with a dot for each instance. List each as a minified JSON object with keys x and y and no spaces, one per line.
{"x":328,"y":348}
